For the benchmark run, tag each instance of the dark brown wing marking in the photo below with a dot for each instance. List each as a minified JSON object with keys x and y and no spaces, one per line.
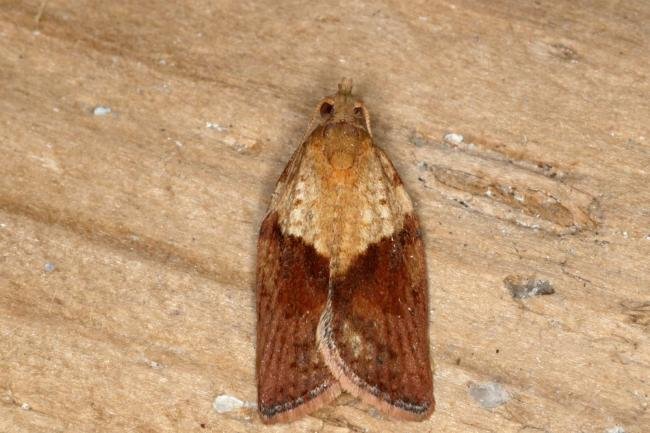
{"x":292,"y":284}
{"x":374,"y":333}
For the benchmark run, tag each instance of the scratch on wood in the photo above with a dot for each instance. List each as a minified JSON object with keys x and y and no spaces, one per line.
{"x":491,"y":149}
{"x":117,"y":236}
{"x":524,"y":201}
{"x":637,"y":312}
{"x":482,"y":147}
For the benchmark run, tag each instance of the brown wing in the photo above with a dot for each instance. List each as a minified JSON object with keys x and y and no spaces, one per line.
{"x":374,"y":333}
{"x":292,"y":285}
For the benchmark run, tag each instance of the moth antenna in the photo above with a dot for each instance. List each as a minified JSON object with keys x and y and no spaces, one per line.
{"x":345,"y":86}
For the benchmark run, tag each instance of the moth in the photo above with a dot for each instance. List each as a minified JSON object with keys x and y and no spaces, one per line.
{"x":342,"y":298}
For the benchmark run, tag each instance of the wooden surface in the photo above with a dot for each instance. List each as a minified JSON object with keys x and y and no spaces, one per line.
{"x":127,"y":240}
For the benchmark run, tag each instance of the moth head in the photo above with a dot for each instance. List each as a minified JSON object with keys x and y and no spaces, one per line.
{"x":343,"y":107}
{"x":343,"y":128}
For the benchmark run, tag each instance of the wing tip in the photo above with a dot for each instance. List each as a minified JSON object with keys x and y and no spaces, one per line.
{"x":291,"y":411}
{"x":351,"y":383}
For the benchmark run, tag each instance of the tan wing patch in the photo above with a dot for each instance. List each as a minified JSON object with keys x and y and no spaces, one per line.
{"x":340,"y":217}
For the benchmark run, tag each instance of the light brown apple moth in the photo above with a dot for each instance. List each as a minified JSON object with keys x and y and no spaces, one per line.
{"x":341,"y":277}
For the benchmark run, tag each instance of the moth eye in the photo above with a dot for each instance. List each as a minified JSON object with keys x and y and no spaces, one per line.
{"x":358,"y":111}
{"x":326,"y":109}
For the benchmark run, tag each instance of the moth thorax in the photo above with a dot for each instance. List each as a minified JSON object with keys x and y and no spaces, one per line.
{"x":341,"y":160}
{"x":343,"y":142}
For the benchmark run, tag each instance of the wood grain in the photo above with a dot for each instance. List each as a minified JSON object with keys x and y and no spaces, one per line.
{"x":127,"y":241}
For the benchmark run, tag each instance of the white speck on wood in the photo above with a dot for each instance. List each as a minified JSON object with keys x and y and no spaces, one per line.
{"x":101,"y":110}
{"x":215,"y":126}
{"x":227,"y":403}
{"x":489,"y":395}
{"x":454,"y":138}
